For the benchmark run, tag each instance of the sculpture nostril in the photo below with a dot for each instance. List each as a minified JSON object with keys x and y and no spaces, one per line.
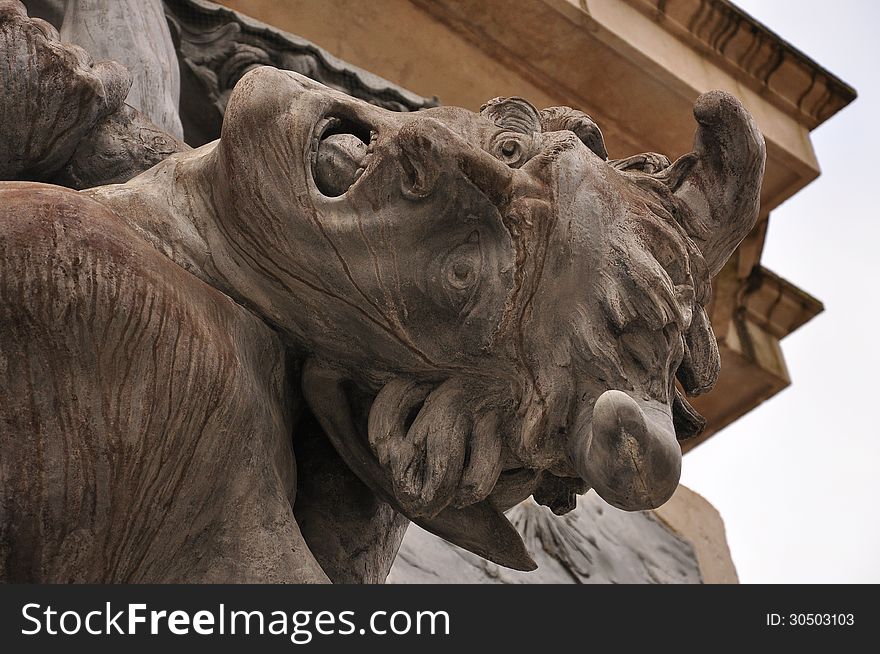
{"x":417,"y":181}
{"x":421,"y":145}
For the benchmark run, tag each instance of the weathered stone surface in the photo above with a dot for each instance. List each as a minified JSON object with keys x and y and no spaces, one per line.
{"x":698,"y":522}
{"x":217,"y":46}
{"x":135,"y":34}
{"x":681,"y":542}
{"x":472,"y":308}
{"x":65,"y":118}
{"x":593,"y":544}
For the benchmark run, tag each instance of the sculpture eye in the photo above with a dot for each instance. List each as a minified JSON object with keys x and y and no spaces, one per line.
{"x":512,"y":148}
{"x":460,"y":272}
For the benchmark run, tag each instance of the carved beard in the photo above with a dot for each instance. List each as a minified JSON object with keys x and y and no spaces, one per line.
{"x":436,"y":453}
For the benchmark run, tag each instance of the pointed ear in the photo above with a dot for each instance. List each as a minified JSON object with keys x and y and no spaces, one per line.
{"x":719,"y":183}
{"x":555,"y":119}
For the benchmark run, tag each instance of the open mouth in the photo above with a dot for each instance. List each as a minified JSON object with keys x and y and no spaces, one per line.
{"x":341,"y":151}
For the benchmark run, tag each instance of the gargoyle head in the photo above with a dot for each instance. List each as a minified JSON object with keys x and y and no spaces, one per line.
{"x":487,"y":307}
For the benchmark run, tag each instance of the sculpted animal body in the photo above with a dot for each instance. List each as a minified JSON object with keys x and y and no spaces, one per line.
{"x":471,"y":308}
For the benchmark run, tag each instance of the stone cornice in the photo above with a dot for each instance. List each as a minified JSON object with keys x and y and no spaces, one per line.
{"x":766,"y":62}
{"x":776,"y":305}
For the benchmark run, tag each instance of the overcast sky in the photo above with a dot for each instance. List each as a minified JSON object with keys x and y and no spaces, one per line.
{"x":797,"y":479}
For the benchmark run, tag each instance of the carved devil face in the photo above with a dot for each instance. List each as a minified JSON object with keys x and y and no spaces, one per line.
{"x":487,"y":308}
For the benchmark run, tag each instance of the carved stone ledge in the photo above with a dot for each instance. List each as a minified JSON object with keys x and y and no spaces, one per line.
{"x":773,"y":67}
{"x":777,"y":305}
{"x":752,"y":310}
{"x":217,"y":46}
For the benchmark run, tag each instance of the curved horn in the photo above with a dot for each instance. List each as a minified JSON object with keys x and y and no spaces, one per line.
{"x":629,"y":454}
{"x":719,"y":183}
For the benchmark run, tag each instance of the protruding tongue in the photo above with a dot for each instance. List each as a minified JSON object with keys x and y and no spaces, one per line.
{"x":630,"y":454}
{"x":339,"y":163}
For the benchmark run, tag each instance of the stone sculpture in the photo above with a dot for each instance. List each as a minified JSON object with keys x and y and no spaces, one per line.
{"x":257,"y":360}
{"x":217,"y":46}
{"x":592,"y":544}
{"x":135,"y":34}
{"x":213,"y":47}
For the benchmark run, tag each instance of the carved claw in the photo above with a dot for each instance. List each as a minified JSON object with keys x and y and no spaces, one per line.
{"x":480,"y":528}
